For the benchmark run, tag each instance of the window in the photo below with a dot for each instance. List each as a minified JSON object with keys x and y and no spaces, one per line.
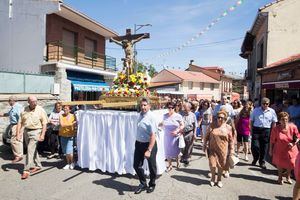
{"x":260,"y":54}
{"x":69,"y":43}
{"x":212,"y":86}
{"x":190,"y":85}
{"x":201,"y":86}
{"x":89,"y":48}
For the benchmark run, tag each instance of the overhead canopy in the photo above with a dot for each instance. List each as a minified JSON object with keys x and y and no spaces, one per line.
{"x":89,"y":86}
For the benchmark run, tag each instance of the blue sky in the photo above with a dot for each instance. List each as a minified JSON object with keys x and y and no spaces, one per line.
{"x":173,"y":23}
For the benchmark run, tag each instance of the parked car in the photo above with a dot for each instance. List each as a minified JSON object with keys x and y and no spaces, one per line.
{"x":42,"y":146}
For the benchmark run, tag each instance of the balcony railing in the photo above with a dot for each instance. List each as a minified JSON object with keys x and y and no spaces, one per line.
{"x":57,"y":51}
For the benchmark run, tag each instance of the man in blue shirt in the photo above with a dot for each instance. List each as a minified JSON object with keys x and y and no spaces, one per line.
{"x":145,"y":147}
{"x":228,"y":107}
{"x":262,"y":119}
{"x":14,"y":115}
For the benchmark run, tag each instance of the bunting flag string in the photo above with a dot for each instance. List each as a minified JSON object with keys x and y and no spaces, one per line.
{"x":195,"y":37}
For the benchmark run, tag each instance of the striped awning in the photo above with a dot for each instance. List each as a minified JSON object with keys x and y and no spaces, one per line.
{"x":90,"y":86}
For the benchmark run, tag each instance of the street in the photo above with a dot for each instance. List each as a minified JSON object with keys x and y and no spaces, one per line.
{"x":191,"y":182}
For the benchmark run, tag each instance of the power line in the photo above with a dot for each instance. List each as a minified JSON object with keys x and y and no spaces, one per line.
{"x":189,"y":46}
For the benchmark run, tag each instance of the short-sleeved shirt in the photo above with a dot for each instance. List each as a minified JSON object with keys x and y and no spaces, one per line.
{"x":206,"y":116}
{"x":189,"y":119}
{"x":54,"y":116}
{"x":146,"y":126}
{"x":263,"y":118}
{"x":14,"y":113}
{"x":34,"y":119}
{"x":68,"y":130}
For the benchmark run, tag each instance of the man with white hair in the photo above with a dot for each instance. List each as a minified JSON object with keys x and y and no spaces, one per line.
{"x":14,"y":115}
{"x":189,"y":131}
{"x":228,"y":107}
{"x":34,"y":120}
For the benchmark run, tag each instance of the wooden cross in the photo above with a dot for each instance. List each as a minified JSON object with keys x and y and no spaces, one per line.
{"x":127,"y":43}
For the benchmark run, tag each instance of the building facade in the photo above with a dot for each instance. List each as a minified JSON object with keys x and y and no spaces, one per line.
{"x":217,"y":73}
{"x":190,"y":85}
{"x":273,"y":36}
{"x":51,"y":37}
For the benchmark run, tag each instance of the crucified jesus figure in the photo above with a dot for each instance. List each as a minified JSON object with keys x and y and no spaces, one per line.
{"x":127,"y":42}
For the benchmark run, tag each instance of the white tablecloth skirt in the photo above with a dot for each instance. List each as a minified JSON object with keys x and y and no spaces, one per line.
{"x":106,"y":141}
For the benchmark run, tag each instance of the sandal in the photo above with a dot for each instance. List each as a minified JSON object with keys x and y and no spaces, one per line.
{"x":289,"y":181}
{"x":169,"y":168}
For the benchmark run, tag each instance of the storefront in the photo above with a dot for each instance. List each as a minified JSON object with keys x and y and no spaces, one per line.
{"x":86,"y":86}
{"x":281,"y":81}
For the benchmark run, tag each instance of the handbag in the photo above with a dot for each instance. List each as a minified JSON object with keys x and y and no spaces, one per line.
{"x":233,"y":160}
{"x":181,"y":143}
{"x":188,"y":128}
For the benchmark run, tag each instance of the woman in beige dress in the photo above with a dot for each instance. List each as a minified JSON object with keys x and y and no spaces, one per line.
{"x":217,"y":142}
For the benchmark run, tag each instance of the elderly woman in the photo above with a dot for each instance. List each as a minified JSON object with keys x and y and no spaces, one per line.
{"x":282,"y":146}
{"x":218,"y":143}
{"x":173,"y":126}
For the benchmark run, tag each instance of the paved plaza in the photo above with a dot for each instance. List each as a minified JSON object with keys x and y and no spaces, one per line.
{"x":246,"y":182}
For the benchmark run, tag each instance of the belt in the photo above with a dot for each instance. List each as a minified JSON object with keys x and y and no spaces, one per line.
{"x":141,"y":142}
{"x":260,"y":128}
{"x":29,"y":129}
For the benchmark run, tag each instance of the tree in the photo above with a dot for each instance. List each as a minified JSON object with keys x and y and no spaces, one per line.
{"x":142,"y":68}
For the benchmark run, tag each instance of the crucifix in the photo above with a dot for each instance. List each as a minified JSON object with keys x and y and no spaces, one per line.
{"x":127,"y":42}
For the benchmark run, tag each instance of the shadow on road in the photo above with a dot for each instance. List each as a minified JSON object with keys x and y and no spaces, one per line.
{"x":283,"y":198}
{"x":246,"y":197}
{"x":5,"y":152}
{"x":114,"y":184}
{"x":10,"y":166}
{"x":254,"y":178}
{"x":267,"y":172}
{"x":195,"y":171}
{"x":192,"y":180}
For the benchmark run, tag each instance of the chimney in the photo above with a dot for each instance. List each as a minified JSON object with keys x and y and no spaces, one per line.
{"x":191,"y":62}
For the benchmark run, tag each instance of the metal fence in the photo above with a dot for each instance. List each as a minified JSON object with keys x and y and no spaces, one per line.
{"x":13,"y":82}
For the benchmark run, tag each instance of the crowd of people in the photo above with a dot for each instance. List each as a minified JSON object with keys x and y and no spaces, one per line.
{"x":222,"y":128}
{"x":29,"y":126}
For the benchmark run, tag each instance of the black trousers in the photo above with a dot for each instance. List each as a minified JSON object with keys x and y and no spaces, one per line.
{"x":54,"y":142}
{"x":140,"y":149}
{"x":259,"y":144}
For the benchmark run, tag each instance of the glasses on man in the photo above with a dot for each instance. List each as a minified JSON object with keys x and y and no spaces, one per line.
{"x":170,"y":107}
{"x":219,"y":117}
{"x":265,"y":103}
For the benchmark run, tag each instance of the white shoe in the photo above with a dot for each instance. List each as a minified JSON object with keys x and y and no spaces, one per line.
{"x":220,"y":184}
{"x":67,"y":166}
{"x":246,"y":158}
{"x":72,"y":165}
{"x":209,"y":175}
{"x":226,"y":174}
{"x":211,"y":183}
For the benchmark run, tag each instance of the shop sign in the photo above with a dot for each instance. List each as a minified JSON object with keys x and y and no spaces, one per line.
{"x":285,"y":75}
{"x":281,"y":85}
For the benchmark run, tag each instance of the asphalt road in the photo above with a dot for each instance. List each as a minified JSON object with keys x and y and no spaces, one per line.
{"x":191,"y":182}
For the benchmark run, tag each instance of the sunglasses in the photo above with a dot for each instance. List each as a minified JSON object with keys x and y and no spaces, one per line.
{"x":170,"y":107}
{"x":265,"y":103}
{"x":220,"y":117}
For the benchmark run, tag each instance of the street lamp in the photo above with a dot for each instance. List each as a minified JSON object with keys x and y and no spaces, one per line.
{"x":136,"y":28}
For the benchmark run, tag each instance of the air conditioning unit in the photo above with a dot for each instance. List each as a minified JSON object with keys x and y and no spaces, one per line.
{"x":55,"y":89}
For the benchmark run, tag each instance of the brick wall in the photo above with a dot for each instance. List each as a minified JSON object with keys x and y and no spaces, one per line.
{"x":54,"y":29}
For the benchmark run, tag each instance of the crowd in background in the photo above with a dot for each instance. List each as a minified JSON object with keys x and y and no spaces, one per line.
{"x":223,"y":127}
